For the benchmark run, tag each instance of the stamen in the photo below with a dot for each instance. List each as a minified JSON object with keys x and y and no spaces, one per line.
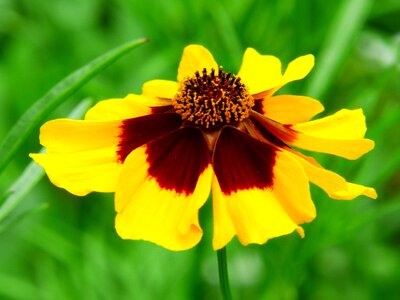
{"x":211,"y":100}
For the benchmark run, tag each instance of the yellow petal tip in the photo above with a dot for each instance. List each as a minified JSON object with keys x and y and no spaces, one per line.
{"x":371,"y":193}
{"x":299,"y":68}
{"x":300,"y":231}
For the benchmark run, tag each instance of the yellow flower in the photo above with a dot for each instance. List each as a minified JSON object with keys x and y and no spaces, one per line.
{"x":162,"y":152}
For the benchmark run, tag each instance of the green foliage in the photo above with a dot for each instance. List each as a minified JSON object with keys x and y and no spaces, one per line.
{"x":61,"y":91}
{"x":57,"y":246}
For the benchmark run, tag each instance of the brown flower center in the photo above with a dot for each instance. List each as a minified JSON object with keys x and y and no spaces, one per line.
{"x":212,"y":99}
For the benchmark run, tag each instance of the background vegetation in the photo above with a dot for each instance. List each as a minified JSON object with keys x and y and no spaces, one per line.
{"x":58,"y":246}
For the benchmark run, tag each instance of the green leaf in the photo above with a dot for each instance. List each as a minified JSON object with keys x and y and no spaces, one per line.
{"x":65,"y":88}
{"x":31,"y":175}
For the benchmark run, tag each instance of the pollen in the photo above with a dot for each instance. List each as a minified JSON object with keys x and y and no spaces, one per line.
{"x":212,"y":99}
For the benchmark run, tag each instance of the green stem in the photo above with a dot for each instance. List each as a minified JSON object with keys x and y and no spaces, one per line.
{"x":223,"y":274}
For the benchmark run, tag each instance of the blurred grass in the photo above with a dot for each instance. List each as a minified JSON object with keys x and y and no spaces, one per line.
{"x":71,"y":251}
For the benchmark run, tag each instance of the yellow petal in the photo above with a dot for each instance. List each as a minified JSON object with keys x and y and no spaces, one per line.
{"x":256,"y":215}
{"x":289,"y":109}
{"x":354,"y":190}
{"x":344,"y":124}
{"x":340,"y":134}
{"x":260,"y":72}
{"x":291,"y":187}
{"x":246,"y":202}
{"x":131,"y":106}
{"x":195,"y":58}
{"x":65,"y":135}
{"x":82,"y":172}
{"x":298,"y":68}
{"x":333,"y":184}
{"x":223,"y":227}
{"x":159,"y":192}
{"x":350,"y":149}
{"x":81,"y":155}
{"x":164,"y":89}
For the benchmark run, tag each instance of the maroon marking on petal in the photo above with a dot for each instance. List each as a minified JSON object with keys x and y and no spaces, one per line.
{"x":266,"y":134}
{"x":258,"y":106}
{"x":138,"y":131}
{"x":178,"y":159}
{"x":284,"y":133}
{"x":161,"y":109}
{"x":242,"y":162}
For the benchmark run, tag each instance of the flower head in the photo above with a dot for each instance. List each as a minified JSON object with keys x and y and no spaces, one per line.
{"x":162,"y":152}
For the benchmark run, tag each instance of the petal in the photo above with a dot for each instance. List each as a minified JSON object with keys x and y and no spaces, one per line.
{"x":131,"y":106}
{"x":347,"y":124}
{"x":339,"y":134}
{"x":83,"y":172}
{"x":333,"y":184}
{"x":86,"y":156}
{"x":298,"y":68}
{"x":259,"y":192}
{"x":257,"y":160}
{"x":164,"y":89}
{"x":195,"y":58}
{"x":81,"y":156}
{"x":266,"y":85}
{"x":139,"y":131}
{"x":354,"y":190}
{"x":270,"y":131}
{"x":66,"y":135}
{"x":162,"y":186}
{"x":289,"y":109}
{"x":260,"y":72}
{"x":223,"y":226}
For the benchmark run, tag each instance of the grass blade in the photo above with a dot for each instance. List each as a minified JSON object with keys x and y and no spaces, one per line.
{"x":345,"y":26}
{"x":65,"y":88}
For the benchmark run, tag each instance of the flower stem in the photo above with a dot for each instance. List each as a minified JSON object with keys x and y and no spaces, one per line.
{"x":223,"y":274}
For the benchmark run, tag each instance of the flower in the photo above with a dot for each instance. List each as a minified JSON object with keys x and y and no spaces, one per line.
{"x":162,"y":152}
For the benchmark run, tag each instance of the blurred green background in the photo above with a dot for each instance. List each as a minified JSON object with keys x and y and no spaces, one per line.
{"x":58,"y":246}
